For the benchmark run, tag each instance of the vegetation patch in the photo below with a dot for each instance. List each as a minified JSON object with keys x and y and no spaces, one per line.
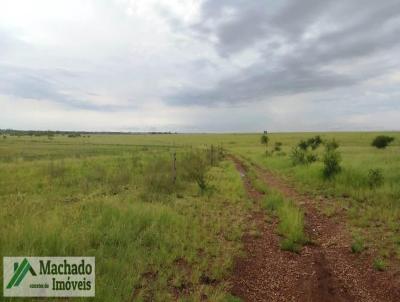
{"x":357,"y":245}
{"x":379,"y":264}
{"x":382,"y":141}
{"x":332,"y":159}
{"x":365,"y":179}
{"x":304,"y":152}
{"x":291,"y":221}
{"x":256,"y":182}
{"x":90,"y":195}
{"x":375,"y":178}
{"x":156,"y":236}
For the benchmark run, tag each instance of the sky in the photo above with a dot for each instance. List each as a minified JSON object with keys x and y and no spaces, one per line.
{"x":200,"y":65}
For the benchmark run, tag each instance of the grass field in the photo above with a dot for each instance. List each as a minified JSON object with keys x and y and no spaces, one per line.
{"x":373,"y":212}
{"x":152,"y":239}
{"x":114,"y":197}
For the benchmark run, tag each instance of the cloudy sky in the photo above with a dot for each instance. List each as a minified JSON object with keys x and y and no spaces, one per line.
{"x":192,"y":65}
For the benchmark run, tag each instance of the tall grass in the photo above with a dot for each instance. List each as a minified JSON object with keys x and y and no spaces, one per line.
{"x":291,"y":220}
{"x":96,"y":205}
{"x":60,"y":211}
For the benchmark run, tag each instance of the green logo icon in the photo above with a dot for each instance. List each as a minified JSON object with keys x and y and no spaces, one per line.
{"x":20,"y":272}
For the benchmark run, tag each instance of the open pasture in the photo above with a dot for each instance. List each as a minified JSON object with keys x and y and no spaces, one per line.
{"x":163,"y":233}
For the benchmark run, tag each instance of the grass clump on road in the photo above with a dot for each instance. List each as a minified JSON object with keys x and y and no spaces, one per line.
{"x":357,"y":245}
{"x":256,"y":182}
{"x":273,"y":202}
{"x":379,"y":264}
{"x":291,"y":221}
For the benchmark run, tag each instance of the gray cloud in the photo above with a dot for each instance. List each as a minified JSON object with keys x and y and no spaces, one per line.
{"x":290,"y":61}
{"x":262,"y":85}
{"x":47,"y":85}
{"x":253,"y":21}
{"x":209,"y":65}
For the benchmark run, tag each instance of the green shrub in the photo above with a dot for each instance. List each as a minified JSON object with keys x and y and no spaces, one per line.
{"x":195,"y":165}
{"x":375,"y":178}
{"x":310,"y":158}
{"x":314,"y":142}
{"x":331,"y":145}
{"x":298,"y":156}
{"x":303,"y":145}
{"x":382,"y":141}
{"x":301,"y":155}
{"x":332,"y":159}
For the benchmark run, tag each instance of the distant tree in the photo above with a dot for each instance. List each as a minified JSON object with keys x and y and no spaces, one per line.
{"x":264,"y":140}
{"x":382,"y":141}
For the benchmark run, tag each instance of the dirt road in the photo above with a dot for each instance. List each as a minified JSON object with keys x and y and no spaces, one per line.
{"x":324,"y":270}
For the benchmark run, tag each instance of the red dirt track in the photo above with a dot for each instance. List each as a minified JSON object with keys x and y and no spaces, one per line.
{"x":324,"y":270}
